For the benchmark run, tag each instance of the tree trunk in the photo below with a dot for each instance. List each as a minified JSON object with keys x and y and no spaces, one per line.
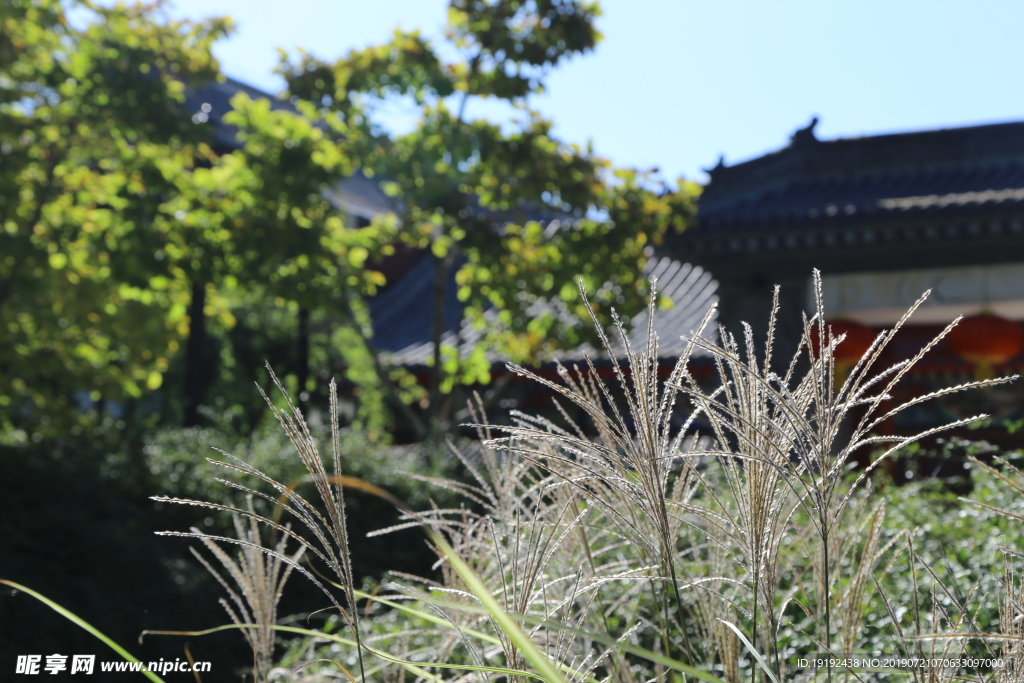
{"x":420,"y":430}
{"x":437,"y":376}
{"x":196,"y":372}
{"x":302,"y":365}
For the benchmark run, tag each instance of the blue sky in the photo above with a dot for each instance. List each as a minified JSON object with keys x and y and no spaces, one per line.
{"x":676,"y":83}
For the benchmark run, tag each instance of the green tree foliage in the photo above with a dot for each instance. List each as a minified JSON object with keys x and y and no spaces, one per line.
{"x":279,"y":242}
{"x":517,"y":212}
{"x":136,"y":256}
{"x":90,"y":116}
{"x":131,"y":247}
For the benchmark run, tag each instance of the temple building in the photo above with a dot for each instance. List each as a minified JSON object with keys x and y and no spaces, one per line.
{"x":402,"y":312}
{"x":884,"y":218}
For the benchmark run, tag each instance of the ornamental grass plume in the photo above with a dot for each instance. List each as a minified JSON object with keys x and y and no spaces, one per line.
{"x":647,"y":527}
{"x":260,"y":577}
{"x":783,"y":443}
{"x":324,"y":527}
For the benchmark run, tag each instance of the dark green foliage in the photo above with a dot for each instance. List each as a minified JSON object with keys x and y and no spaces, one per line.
{"x":176,"y":461}
{"x":80,"y":529}
{"x":75,"y":530}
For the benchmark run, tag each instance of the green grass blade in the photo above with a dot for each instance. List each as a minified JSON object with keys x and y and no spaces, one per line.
{"x":427,"y":616}
{"x":544,"y":666}
{"x":417,"y":668}
{"x":752,"y":651}
{"x":627,"y":648}
{"x":83,"y":624}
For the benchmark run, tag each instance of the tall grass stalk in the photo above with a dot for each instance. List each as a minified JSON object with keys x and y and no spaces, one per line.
{"x":631,"y":470}
{"x":754,"y":459}
{"x":326,"y":532}
{"x":260,"y":578}
{"x":807,"y":429}
{"x":619,"y":540}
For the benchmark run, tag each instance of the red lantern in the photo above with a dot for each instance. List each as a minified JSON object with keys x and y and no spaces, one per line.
{"x":985,"y":340}
{"x":850,"y":350}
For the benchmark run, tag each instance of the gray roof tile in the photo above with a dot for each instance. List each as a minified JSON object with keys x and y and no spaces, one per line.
{"x":816,"y":183}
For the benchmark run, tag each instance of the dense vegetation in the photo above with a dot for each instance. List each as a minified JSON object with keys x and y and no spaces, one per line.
{"x":146,"y":276}
{"x":148,"y":270}
{"x":626,"y":546}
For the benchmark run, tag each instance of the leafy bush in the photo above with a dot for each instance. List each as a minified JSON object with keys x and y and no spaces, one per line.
{"x":80,"y":529}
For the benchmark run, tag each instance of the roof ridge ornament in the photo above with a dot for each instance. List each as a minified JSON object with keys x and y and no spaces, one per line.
{"x":806,"y":135}
{"x":717,"y":167}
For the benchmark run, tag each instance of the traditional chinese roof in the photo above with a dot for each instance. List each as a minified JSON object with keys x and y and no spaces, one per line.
{"x":815,"y":183}
{"x":403,"y":314}
{"x":357,"y":195}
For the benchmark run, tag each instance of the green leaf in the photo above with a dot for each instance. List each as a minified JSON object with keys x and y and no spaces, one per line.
{"x":81,"y":623}
{"x":544,"y":666}
{"x":750,"y":648}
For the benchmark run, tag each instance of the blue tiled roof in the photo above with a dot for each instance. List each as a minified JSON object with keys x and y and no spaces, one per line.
{"x":403,"y":314}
